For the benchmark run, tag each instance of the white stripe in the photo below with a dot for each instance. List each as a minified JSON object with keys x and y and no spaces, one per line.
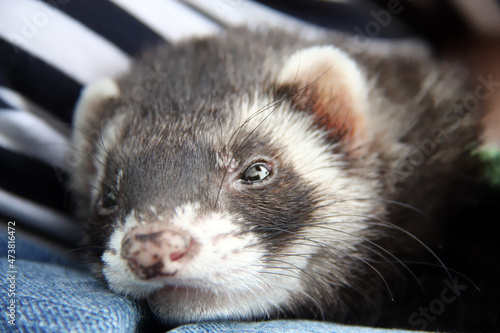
{"x":33,"y":137}
{"x":169,"y":18}
{"x":244,"y":12}
{"x":60,"y":41}
{"x":59,"y":225}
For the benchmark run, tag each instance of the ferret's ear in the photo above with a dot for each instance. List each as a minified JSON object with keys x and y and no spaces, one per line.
{"x":90,"y":109}
{"x":93,"y":101}
{"x":326,"y":82}
{"x":89,"y":112}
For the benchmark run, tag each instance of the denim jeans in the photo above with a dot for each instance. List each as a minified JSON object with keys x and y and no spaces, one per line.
{"x":51,"y":292}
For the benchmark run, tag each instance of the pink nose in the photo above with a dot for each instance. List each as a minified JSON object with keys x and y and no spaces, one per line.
{"x":156,"y":254}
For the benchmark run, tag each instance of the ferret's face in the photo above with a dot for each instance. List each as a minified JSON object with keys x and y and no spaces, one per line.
{"x":248,"y":210}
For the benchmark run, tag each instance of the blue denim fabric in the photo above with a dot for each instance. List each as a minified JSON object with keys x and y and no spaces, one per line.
{"x":55,"y":294}
{"x":293,"y":326}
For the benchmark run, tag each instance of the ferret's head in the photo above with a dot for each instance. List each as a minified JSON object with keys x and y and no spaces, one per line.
{"x":251,"y":204}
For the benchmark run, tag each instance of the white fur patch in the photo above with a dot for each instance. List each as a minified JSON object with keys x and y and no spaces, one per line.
{"x":110,"y":133}
{"x":228,"y":264}
{"x":119,"y":177}
{"x":92,"y":96}
{"x":226,"y":161}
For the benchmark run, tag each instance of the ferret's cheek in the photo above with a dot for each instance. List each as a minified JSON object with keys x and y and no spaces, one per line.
{"x":227,"y":256}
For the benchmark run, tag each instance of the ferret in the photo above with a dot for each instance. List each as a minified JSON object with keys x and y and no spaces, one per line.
{"x":261,"y":174}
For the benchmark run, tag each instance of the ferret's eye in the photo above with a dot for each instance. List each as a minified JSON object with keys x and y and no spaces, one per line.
{"x":256,"y":173}
{"x":107,"y":203}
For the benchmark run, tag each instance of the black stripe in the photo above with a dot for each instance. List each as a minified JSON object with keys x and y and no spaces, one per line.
{"x":111,"y":22}
{"x":339,"y":16}
{"x":33,"y":180}
{"x":38,"y":81}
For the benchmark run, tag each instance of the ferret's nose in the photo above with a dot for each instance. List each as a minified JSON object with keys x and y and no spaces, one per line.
{"x":152,"y":254}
